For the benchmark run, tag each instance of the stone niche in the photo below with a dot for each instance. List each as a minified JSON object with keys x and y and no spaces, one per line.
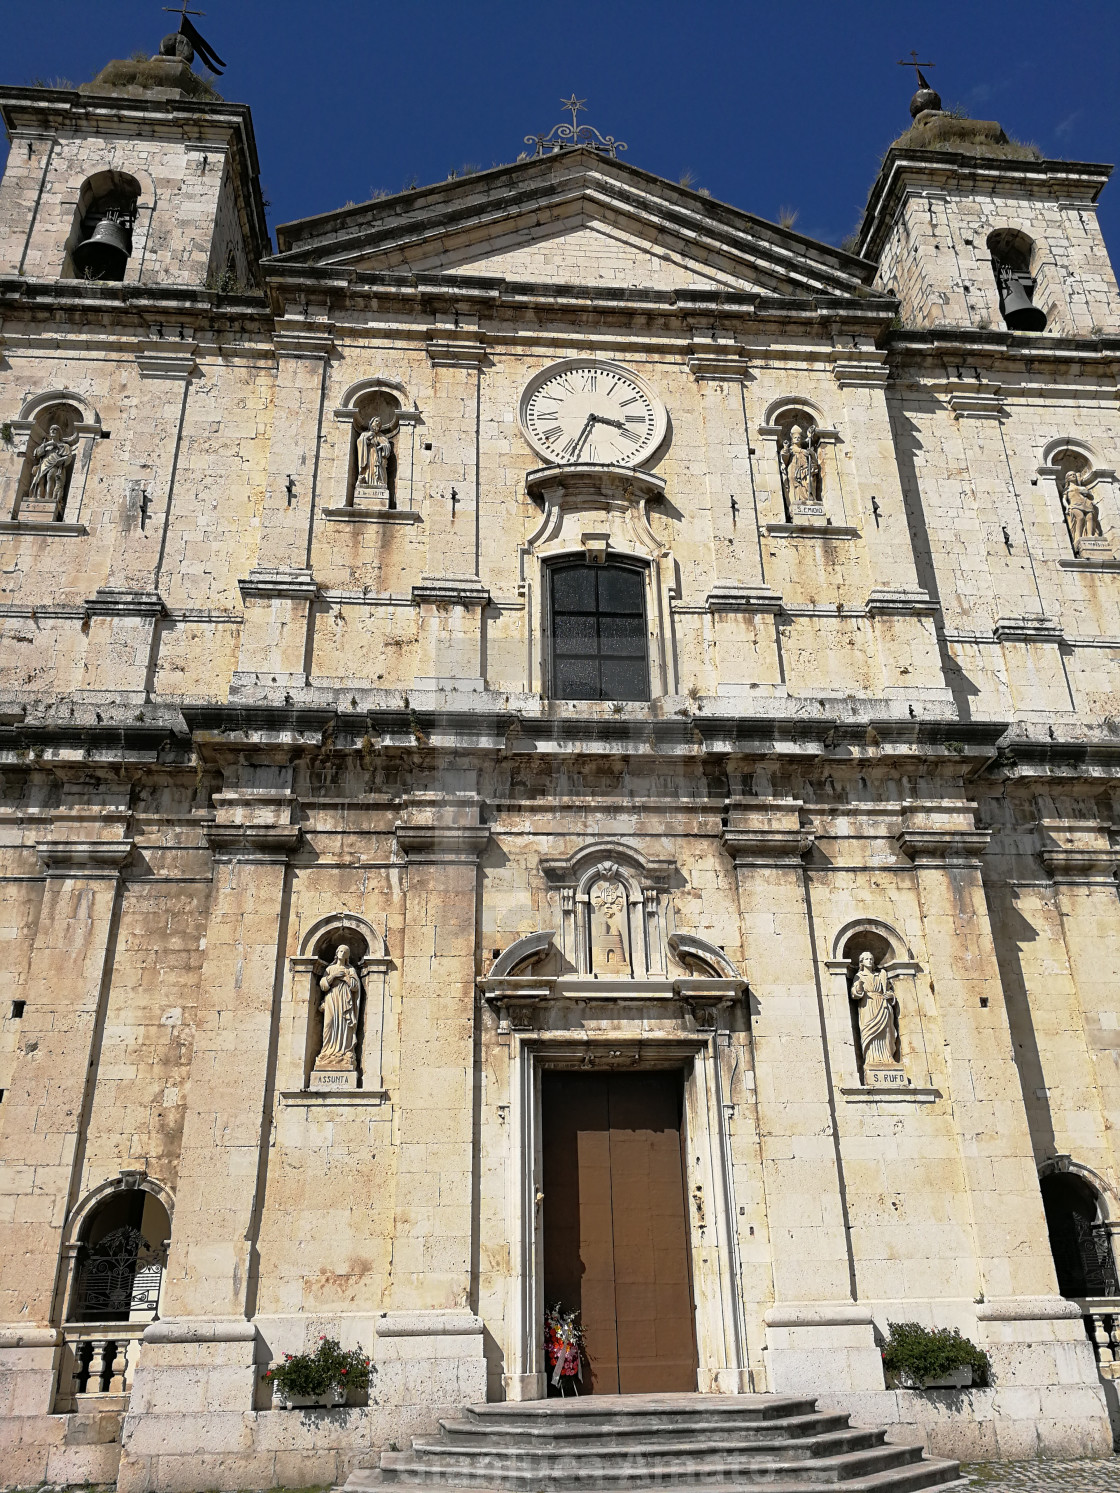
{"x":339,"y":987}
{"x":873,"y":1012}
{"x":54,"y":436}
{"x":371,"y":465}
{"x":1081,"y":488}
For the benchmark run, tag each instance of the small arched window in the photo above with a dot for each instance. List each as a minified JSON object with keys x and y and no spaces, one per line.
{"x":599,"y":644}
{"x":1080,"y":1240}
{"x":121,"y":1259}
{"x":1011,"y":253}
{"x":101,"y":240}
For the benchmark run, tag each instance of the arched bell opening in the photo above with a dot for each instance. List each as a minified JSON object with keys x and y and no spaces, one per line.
{"x":1012,"y":255}
{"x":122,"y":1252}
{"x":100,"y":243}
{"x":1080,"y":1237}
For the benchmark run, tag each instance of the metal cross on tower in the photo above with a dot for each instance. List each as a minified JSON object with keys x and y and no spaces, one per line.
{"x":902,"y":62}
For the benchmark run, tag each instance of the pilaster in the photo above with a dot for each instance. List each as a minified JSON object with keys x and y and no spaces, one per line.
{"x":1082,"y":862}
{"x":441,"y":839}
{"x":279,"y":591}
{"x":46,"y":1107}
{"x":997,"y":1160}
{"x":812,"y":1311}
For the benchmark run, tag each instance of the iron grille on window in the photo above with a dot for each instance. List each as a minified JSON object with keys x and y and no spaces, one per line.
{"x":599,"y":633}
{"x":1083,"y":1258}
{"x":119,"y":1275}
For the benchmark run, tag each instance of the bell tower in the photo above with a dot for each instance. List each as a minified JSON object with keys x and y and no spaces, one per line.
{"x":145,"y":176}
{"x":972,"y":229}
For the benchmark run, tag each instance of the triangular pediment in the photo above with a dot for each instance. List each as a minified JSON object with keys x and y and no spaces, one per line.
{"x":576,"y":218}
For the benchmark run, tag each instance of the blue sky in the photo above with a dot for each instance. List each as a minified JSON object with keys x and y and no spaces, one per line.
{"x":767,"y":105}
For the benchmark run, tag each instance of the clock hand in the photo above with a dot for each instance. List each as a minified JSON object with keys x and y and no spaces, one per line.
{"x":584,"y":433}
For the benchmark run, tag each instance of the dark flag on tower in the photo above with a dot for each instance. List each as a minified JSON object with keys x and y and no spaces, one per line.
{"x":203,"y":50}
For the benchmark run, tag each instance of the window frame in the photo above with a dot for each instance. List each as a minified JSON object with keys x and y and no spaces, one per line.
{"x":581,"y":562}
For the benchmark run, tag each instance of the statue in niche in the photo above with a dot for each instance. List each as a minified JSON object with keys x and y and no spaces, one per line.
{"x":50,"y":468}
{"x":873,"y":996}
{"x":1082,"y":514}
{"x":342,"y":994}
{"x":375,"y":454}
{"x":609,"y":909}
{"x":801,"y":469}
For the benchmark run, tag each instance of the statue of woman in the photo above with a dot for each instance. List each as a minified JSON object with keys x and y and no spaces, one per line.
{"x":874,"y":997}
{"x":1082,"y":513}
{"x":375,"y":451}
{"x":51,"y":460}
{"x":801,"y":468}
{"x":342,"y":992}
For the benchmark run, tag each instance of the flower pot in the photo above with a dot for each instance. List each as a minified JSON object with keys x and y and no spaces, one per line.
{"x":329,"y":1399}
{"x":960,"y":1378}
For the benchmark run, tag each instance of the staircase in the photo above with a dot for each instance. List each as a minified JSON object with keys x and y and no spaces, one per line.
{"x":600,"y":1443}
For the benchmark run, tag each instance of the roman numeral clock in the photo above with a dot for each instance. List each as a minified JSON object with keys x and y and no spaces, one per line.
{"x":584,"y":410}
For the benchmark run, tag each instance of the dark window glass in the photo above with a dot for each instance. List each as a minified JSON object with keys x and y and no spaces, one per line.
{"x":599,"y":633}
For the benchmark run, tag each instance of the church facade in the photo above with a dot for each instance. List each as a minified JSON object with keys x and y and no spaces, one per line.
{"x":559,"y":744}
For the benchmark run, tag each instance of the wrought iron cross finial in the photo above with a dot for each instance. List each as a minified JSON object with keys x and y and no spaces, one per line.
{"x":564,"y":136}
{"x":181,"y":10}
{"x":573,"y":105}
{"x":915,"y":64}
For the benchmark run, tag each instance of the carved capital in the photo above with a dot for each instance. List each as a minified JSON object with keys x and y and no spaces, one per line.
{"x":935,"y":846}
{"x":88,"y":860}
{"x":442,"y":842}
{"x":268,"y":842}
{"x":763,"y":846}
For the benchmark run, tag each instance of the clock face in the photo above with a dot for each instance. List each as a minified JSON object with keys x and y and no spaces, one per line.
{"x":587,"y":411}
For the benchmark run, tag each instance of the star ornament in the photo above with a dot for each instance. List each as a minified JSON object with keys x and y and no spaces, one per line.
{"x":574,"y":104}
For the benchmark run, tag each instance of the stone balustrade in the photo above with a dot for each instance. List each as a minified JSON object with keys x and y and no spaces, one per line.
{"x":97,"y":1365}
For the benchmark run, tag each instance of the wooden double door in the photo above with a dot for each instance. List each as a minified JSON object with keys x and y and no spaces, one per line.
{"x":616,"y":1238}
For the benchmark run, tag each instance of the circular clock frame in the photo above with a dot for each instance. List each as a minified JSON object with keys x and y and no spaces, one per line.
{"x":651,"y":442}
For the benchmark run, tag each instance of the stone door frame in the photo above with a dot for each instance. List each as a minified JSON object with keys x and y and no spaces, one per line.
{"x":721,"y":1342}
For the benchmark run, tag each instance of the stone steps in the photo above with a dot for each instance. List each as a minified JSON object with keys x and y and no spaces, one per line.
{"x":670,"y":1451}
{"x":689,"y":1443}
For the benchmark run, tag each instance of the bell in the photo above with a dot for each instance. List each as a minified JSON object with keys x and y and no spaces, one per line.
{"x":1019,"y":311}
{"x":104,"y":254}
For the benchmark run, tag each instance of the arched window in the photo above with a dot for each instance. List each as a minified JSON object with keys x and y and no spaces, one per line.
{"x":48,"y":467}
{"x":1011,"y":253}
{"x":1080,"y":1240}
{"x":122,"y":1254}
{"x":101,"y":240}
{"x":599,"y":645}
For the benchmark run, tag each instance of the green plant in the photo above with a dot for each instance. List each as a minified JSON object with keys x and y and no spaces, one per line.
{"x":6,"y":433}
{"x":330,"y":1367}
{"x":913,"y":1353}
